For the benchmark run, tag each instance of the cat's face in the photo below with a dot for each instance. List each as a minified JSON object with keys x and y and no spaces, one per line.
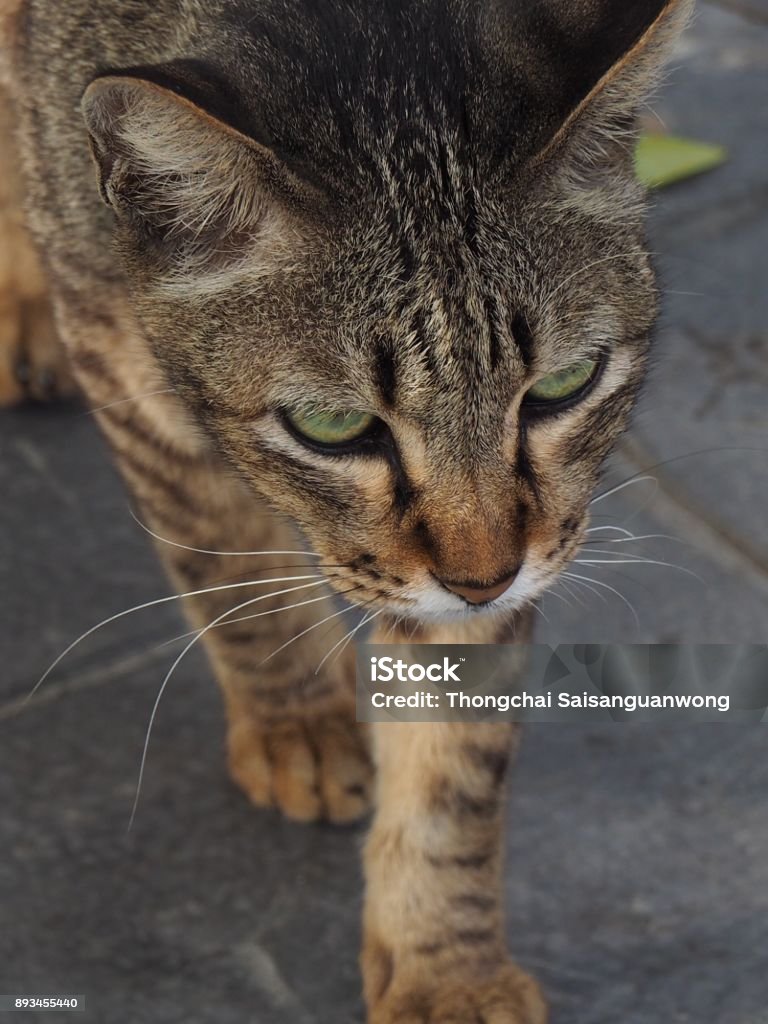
{"x":426,"y":371}
{"x":458,"y":475}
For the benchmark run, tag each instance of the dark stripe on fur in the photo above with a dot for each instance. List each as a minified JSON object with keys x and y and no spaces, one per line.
{"x":403,"y":491}
{"x":462,"y":862}
{"x":596,"y":434}
{"x":475,"y":936}
{"x":94,"y":364}
{"x":494,"y":345}
{"x":154,"y":477}
{"x":452,"y":799}
{"x":475,"y":901}
{"x":131,"y":423}
{"x":386,"y":371}
{"x":521,"y":332}
{"x":491,"y":760}
{"x":311,"y":482}
{"x":524,"y":467}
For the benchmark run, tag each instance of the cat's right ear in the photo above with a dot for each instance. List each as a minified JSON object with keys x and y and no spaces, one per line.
{"x":609,"y":64}
{"x":190,"y":188}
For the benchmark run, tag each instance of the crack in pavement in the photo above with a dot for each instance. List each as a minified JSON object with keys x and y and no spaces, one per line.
{"x":88,"y":680}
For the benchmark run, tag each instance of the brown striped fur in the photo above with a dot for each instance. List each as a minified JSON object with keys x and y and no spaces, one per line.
{"x":32,"y":360}
{"x":241,"y":205}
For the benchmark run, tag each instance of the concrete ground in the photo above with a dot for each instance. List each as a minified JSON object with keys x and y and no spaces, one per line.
{"x":637,"y":882}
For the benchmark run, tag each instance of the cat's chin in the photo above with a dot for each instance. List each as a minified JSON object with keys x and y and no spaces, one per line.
{"x":426,"y":616}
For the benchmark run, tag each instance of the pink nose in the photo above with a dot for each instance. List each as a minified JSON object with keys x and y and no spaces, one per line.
{"x":477,"y":593}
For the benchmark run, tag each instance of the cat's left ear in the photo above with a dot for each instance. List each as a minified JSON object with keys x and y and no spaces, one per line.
{"x":190,"y":192}
{"x":639,"y":38}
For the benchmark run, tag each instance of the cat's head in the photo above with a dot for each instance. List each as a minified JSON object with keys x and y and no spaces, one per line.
{"x":393,"y":258}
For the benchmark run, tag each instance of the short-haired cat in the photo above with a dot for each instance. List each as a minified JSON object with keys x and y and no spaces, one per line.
{"x":374,"y":275}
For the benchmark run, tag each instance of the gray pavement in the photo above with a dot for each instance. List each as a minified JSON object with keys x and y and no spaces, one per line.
{"x":637,"y":880}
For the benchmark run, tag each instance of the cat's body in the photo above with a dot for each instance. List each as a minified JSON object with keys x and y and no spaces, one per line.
{"x":415,"y":214}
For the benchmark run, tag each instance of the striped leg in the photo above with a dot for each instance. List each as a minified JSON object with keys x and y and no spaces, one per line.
{"x":292,"y":739}
{"x":434,"y":949}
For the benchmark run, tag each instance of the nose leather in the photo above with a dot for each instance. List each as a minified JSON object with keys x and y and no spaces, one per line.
{"x":478,"y":594}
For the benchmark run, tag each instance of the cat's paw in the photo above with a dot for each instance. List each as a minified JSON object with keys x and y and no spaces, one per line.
{"x":311,"y":767}
{"x":506,"y":996}
{"x":33,"y":363}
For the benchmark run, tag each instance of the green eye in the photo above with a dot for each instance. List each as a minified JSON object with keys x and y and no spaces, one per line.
{"x":564,"y":384}
{"x":330,"y":428}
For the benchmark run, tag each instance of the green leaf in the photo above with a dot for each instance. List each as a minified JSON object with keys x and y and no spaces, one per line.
{"x":662,"y":160}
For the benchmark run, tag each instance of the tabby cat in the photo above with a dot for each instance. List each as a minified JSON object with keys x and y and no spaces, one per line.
{"x":374,"y":275}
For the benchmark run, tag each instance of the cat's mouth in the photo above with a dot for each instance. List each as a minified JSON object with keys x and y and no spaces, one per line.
{"x":434,"y":602}
{"x":430,"y":601}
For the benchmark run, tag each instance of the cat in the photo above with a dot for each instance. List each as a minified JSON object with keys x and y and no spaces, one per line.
{"x":374,"y":275}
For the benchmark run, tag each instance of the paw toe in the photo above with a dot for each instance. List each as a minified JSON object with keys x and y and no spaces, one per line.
{"x":294,"y":774}
{"x":249,"y":765}
{"x":308,"y":768}
{"x":346,"y":774}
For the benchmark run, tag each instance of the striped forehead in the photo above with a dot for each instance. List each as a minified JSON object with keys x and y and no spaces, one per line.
{"x":445,"y":286}
{"x":455,"y":355}
{"x":449,"y":334}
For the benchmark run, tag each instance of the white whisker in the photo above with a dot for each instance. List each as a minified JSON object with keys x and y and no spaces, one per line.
{"x":620,"y":487}
{"x":631,"y":537}
{"x":348,"y":636}
{"x":617,"y":559}
{"x":541,"y":611}
{"x":198,"y":636}
{"x":575,"y":594}
{"x":586,"y":586}
{"x":415,"y":626}
{"x":633,"y":561}
{"x":365,"y":622}
{"x":613,"y":590}
{"x":394,"y":623}
{"x":594,"y":263}
{"x":153,"y":604}
{"x":244,"y":618}
{"x":614,"y":529}
{"x":304,"y":632}
{"x":562,"y":597}
{"x":207,"y":551}
{"x":135,"y":398}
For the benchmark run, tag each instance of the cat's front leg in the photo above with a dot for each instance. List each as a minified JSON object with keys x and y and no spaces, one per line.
{"x":434,"y":945}
{"x":287,"y":679}
{"x":33,"y":363}
{"x":261,"y":608}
